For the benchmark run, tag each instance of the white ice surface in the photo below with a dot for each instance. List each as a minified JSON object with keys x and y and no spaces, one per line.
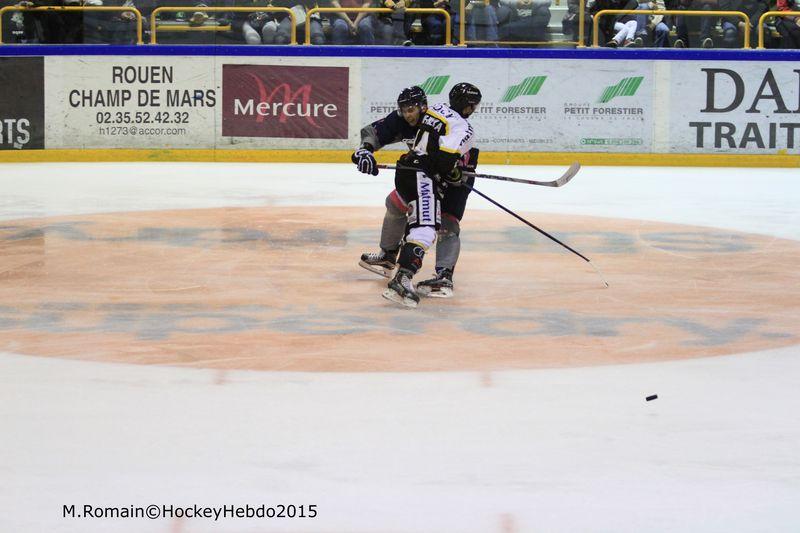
{"x":751,"y":200}
{"x":546,"y":450}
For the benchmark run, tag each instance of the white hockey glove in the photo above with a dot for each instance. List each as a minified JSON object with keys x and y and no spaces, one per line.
{"x":365,"y":161}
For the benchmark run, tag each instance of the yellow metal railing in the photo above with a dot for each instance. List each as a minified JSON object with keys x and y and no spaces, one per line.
{"x":770,"y":14}
{"x":715,"y":14}
{"x":133,"y":10}
{"x":448,"y":38}
{"x":526,"y":43}
{"x":253,"y":9}
{"x":462,"y":25}
{"x":582,"y":25}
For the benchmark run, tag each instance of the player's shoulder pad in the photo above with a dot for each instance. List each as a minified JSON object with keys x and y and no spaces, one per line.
{"x":436,"y":123}
{"x":459,"y":131}
{"x":439,"y":118}
{"x":389,"y":121}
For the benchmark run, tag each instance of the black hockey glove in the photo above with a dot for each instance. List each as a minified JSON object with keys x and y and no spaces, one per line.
{"x":365,"y":161}
{"x":419,"y":162}
{"x":410,"y":160}
{"x":455,"y":178}
{"x":469,"y":161}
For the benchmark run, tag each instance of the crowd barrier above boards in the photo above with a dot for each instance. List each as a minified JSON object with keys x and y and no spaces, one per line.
{"x":155,"y":23}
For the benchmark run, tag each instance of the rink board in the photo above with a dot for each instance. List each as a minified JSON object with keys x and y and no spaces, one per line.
{"x":738,"y":105}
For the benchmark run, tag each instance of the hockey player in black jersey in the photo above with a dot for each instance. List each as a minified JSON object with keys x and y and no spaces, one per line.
{"x":411,"y":102}
{"x":398,"y":126}
{"x":425,"y":172}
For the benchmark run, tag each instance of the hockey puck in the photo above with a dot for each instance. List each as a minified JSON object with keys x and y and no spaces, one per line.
{"x":653,"y":397}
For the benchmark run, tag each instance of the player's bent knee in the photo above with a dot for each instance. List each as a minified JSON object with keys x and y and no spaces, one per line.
{"x":424,"y":235}
{"x":450,"y":226}
{"x":393,"y":207}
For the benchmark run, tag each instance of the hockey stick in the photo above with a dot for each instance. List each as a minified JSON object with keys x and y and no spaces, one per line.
{"x":513,"y":214}
{"x":561,"y":181}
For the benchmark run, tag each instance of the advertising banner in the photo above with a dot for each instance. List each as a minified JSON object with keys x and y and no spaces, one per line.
{"x":310,"y":103}
{"x":532,"y":105}
{"x":738,"y":107}
{"x":131,"y":102}
{"x":285,"y":101}
{"x":613,"y":113}
{"x":21,"y":103}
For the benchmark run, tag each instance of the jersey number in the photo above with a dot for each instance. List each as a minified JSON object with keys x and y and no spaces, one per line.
{"x":434,"y":123}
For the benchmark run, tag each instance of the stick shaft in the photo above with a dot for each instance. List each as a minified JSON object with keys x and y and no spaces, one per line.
{"x":513,"y":214}
{"x":568,"y":175}
{"x":571,"y":171}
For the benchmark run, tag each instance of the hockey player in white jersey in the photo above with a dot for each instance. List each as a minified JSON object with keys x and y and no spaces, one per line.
{"x":444,"y":137}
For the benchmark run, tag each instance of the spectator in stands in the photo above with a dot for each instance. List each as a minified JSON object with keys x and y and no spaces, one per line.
{"x":260,"y":28}
{"x":300,"y":9}
{"x":195,"y":18}
{"x":528,"y":20}
{"x":619,"y":30}
{"x":350,"y":28}
{"x":670,"y":22}
{"x":788,"y":27}
{"x":257,"y":27}
{"x":384,"y":24}
{"x":570,"y":22}
{"x":49,"y":27}
{"x":753,"y":9}
{"x":23,"y":27}
{"x":651,"y":28}
{"x":111,"y":27}
{"x":481,"y":20}
{"x":401,"y":31}
{"x":484,"y":20}
{"x":685,"y":24}
{"x":74,"y":21}
{"x":198,"y":18}
{"x":189,"y":17}
{"x":729,"y":24}
{"x":432,"y":25}
{"x":642,"y":23}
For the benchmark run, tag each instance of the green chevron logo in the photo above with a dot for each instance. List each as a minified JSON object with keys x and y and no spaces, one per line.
{"x":529,"y":87}
{"x":434,"y":85}
{"x":627,"y":87}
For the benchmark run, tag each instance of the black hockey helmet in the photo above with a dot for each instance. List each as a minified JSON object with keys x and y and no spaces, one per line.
{"x":464,"y":94}
{"x":412,"y":96}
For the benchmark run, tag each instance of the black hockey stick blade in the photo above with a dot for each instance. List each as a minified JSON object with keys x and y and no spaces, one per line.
{"x":560,"y":182}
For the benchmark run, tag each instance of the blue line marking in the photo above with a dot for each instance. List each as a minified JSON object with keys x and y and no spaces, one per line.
{"x":665,"y":54}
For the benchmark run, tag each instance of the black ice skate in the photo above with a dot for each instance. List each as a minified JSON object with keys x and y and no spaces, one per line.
{"x":381,"y":263}
{"x":401,"y":290}
{"x":439,"y":286}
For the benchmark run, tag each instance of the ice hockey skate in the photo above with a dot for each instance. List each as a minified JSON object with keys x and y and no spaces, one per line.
{"x":401,"y":290}
{"x":382,"y":263}
{"x":439,"y":286}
